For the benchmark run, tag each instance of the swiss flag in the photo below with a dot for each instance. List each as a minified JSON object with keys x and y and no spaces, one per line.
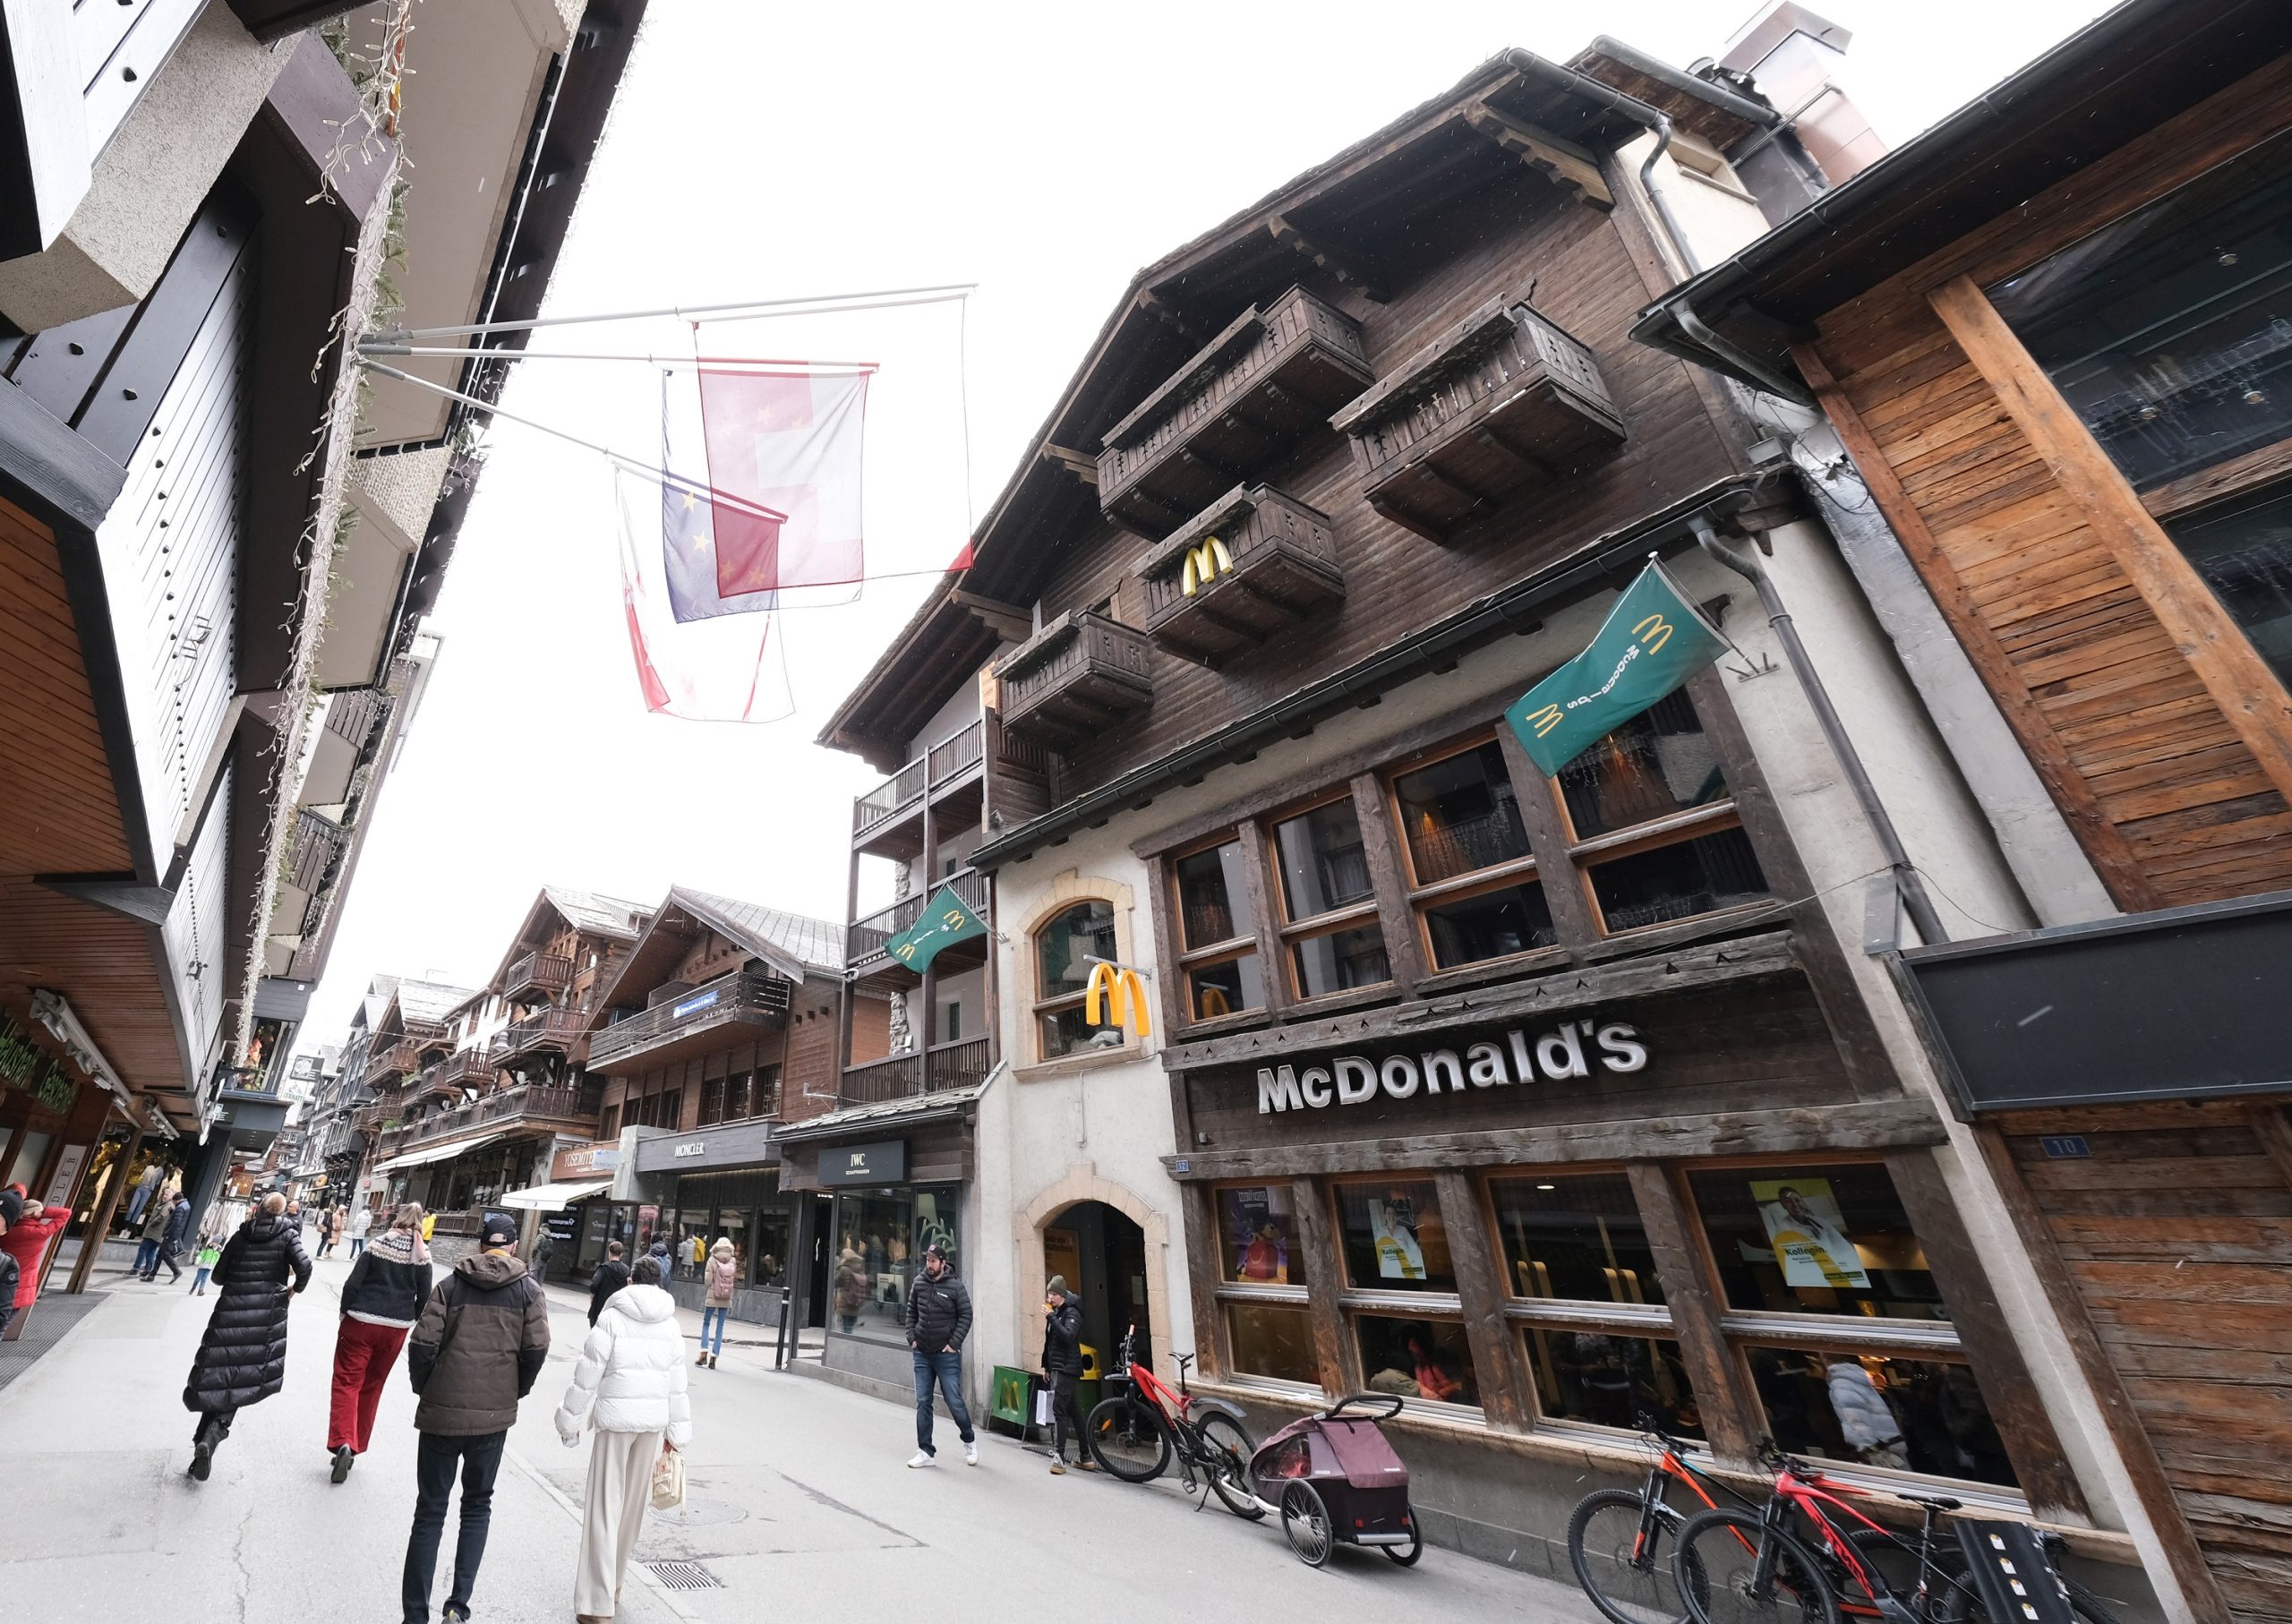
{"x":789,"y":443}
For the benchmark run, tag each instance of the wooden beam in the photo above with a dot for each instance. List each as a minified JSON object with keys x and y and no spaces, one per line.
{"x":2104,"y":844}
{"x":1203,"y":1260}
{"x":1870,"y":1125}
{"x":1012,"y":622}
{"x":1730,"y":1419}
{"x":1495,"y":1342}
{"x":1081,"y":464}
{"x":1565,"y":163}
{"x":1169,"y":315}
{"x":1325,"y":1269}
{"x":2251,"y":698}
{"x":1381,"y":850}
{"x":1355,"y":270}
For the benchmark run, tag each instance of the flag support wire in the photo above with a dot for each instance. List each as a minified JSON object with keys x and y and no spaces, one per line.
{"x":619,"y":459}
{"x":818,"y":369}
{"x":816,"y":304}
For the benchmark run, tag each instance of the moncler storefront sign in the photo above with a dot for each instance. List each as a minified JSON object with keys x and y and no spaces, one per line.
{"x":1569,"y":1050}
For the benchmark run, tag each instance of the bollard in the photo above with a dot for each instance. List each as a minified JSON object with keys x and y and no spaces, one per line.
{"x":780,"y":1347}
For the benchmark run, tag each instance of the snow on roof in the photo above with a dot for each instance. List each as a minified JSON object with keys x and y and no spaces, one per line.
{"x":812,"y":944}
{"x":593,"y":910}
{"x":430,"y":1001}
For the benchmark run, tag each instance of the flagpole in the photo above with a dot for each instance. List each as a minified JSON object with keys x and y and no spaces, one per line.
{"x":823,"y":369}
{"x":825,"y":304}
{"x":619,"y":459}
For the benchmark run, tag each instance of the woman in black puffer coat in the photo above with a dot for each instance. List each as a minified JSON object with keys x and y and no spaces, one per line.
{"x":243,"y":1357}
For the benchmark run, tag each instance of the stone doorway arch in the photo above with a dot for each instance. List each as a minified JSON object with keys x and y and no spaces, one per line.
{"x":1082,"y":1184}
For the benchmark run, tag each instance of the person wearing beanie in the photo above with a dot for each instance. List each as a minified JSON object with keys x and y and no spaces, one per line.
{"x":723,"y":1275}
{"x":481,"y":1340}
{"x":242,"y":1358}
{"x":380,"y":1301}
{"x":1062,"y":1363}
{"x":938,"y":1319}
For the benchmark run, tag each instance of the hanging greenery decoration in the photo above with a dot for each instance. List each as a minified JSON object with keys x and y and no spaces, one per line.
{"x":28,"y":1066}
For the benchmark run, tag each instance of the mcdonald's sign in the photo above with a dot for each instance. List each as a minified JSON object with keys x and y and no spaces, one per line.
{"x":1115,"y":996}
{"x":1205,"y":562}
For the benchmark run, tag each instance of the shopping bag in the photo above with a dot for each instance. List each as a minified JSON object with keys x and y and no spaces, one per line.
{"x":668,"y":1481}
{"x":1042,"y":1406}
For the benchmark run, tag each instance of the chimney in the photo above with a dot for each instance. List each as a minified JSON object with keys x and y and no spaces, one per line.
{"x":1793,"y":56}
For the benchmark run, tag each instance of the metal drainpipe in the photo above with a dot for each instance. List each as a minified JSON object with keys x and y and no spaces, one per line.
{"x":1908,"y":882}
{"x":1655,"y":195}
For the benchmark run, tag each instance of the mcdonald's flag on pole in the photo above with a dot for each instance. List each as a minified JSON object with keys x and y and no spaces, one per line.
{"x":1653,"y":640}
{"x":945,"y":920}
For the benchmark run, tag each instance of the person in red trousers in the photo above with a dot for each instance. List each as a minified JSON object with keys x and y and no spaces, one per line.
{"x":380,"y":1301}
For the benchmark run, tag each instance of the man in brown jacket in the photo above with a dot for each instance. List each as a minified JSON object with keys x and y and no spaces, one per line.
{"x":480,"y":1343}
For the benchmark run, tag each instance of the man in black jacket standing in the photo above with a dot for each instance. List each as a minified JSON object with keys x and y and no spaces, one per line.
{"x":938,"y":1319}
{"x":171,"y":1239}
{"x":1062,"y":1362}
{"x":611,"y":1274}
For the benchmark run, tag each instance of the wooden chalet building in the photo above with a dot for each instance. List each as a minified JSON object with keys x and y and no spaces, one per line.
{"x":1515,"y":1095}
{"x":715,"y":1038}
{"x":189,"y":765}
{"x":2045,"y":341}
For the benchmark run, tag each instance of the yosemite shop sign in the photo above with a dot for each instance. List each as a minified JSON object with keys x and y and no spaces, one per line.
{"x":1569,"y":1050}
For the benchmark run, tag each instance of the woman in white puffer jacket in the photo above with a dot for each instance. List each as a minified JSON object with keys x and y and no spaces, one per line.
{"x":629,"y":1380}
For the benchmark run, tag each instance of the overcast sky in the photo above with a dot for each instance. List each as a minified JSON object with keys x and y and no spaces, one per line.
{"x":763,"y":151}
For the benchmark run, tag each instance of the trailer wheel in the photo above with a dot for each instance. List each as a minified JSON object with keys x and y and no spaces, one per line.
{"x":1406,"y":1555}
{"x":1305,"y":1523}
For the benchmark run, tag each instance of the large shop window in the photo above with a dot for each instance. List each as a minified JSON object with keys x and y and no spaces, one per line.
{"x":1588,"y":1302}
{"x":1329,"y":909}
{"x":1473,"y":881}
{"x":1653,"y":824}
{"x":1394,"y":1239}
{"x":1065,"y":949}
{"x":2169,"y":332}
{"x":880,"y":1236}
{"x":1261,"y":1282}
{"x":1836,"y":1315}
{"x":1218,"y":933}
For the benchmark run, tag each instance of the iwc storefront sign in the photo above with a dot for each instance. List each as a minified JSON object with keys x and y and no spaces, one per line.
{"x":1571,"y":1050}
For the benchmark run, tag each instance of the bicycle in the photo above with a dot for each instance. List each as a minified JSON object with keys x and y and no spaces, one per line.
{"x":1133,"y":1435}
{"x":1731,"y":1565}
{"x":1615,"y":1536}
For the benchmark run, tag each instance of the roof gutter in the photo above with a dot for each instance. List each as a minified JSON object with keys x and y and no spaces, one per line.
{"x":1663,"y":73}
{"x":1529,"y":65}
{"x":1514,"y":608}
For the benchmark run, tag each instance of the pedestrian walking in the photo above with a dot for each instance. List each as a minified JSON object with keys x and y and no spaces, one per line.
{"x":146,"y":1187}
{"x":30,"y":1234}
{"x":380,"y":1301}
{"x":361,"y":1222}
{"x":850,"y":1287}
{"x":155,"y":1224}
{"x":1062,"y":1362}
{"x":723,"y":1275}
{"x":629,"y":1384}
{"x":329,"y":1226}
{"x":938,"y":1319}
{"x":171,"y":1238}
{"x":11,"y":1211}
{"x":481,"y":1340}
{"x":659,"y":1250}
{"x":611,"y":1274}
{"x":242,"y":1358}
{"x":544,"y":1245}
{"x":209,"y":1251}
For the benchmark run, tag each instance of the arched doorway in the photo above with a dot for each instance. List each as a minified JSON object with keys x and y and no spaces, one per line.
{"x":1102,"y":1253}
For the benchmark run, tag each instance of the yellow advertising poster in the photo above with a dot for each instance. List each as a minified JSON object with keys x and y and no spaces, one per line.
{"x":1061,"y":1254}
{"x":1808,"y":1235}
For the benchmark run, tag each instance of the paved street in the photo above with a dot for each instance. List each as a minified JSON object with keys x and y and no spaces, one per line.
{"x":799,"y":1501}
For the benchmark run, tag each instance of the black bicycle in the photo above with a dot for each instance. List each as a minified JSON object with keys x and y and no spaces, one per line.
{"x":1133,"y":1434}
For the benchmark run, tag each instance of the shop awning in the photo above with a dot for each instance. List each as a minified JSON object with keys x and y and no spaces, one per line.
{"x":436,"y":1153}
{"x":549,"y":1198}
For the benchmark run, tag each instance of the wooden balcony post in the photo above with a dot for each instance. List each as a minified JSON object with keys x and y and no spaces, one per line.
{"x":924,"y":1039}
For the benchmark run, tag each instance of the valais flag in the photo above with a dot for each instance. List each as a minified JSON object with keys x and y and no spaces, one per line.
{"x":787,"y":443}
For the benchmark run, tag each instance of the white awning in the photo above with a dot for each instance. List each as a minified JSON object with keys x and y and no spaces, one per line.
{"x":436,"y":1153}
{"x":549,"y":1198}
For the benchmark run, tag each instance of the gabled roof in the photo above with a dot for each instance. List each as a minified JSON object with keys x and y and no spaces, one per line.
{"x":794,"y":945}
{"x":592,"y":911}
{"x":430,"y":1001}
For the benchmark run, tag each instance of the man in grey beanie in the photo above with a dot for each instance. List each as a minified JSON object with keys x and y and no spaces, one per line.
{"x":1062,"y":1366}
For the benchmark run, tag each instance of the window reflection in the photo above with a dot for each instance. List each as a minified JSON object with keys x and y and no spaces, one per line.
{"x":1606,"y":1380}
{"x":1658,"y":763}
{"x":1459,"y":814}
{"x":1678,"y":882}
{"x":1270,"y":1339}
{"x":1324,"y":865}
{"x":1213,"y":896}
{"x":1575,"y":1236}
{"x":1490,"y":925}
{"x":1827,"y":1240}
{"x":1418,"y":1358}
{"x":1923,"y":1415}
{"x":1394,"y":1237}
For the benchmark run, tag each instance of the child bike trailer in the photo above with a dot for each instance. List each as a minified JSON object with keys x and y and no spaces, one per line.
{"x":1333,"y":1480}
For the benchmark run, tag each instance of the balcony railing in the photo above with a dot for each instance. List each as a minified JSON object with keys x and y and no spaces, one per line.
{"x":537,"y":972}
{"x":1074,"y":677}
{"x":1254,"y":563}
{"x":1249,"y":395}
{"x":552,"y":1029}
{"x":314,"y":847}
{"x":746,"y":999}
{"x":945,"y":1065}
{"x":392,"y":1060}
{"x":864,"y":942}
{"x":457,"y":1073}
{"x":947,"y":762}
{"x":538,"y":1102}
{"x":1505,"y":402}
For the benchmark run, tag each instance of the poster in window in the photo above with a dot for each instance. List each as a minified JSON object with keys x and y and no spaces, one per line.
{"x":1259,"y":1229}
{"x":1392,"y":1225}
{"x":1808,"y":1235}
{"x":1062,"y":1255}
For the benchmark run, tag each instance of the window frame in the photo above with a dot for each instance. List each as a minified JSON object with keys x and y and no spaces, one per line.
{"x":1288,"y":933}
{"x":1041,"y":1005}
{"x":1264,"y":1293}
{"x":1421,"y":895}
{"x":1187,"y":959}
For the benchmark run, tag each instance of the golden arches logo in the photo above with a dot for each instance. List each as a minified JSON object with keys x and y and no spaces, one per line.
{"x":1653,"y":633}
{"x":1204,"y":563}
{"x":1115,"y":996}
{"x":1544,"y":719}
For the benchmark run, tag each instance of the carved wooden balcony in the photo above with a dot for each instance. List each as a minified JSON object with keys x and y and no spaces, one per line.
{"x":560,"y":1029}
{"x":536,"y":975}
{"x":1249,"y":395}
{"x":1504,"y":403}
{"x":1076,"y":677}
{"x":1254,"y":562}
{"x":696,"y":1022}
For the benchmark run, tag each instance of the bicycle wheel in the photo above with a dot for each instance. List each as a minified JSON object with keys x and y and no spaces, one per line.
{"x":1891,"y":1562}
{"x":1225,"y":1449}
{"x":1619,"y":1550}
{"x":1128,"y":1440}
{"x":1305,"y":1525}
{"x":1731,"y":1569}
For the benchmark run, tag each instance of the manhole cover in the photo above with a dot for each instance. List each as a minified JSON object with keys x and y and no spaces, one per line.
{"x":701,"y":1514}
{"x":685,"y":1575}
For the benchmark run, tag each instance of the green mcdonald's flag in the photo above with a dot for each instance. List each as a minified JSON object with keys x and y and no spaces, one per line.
{"x":945,"y":920}
{"x":1653,"y":640}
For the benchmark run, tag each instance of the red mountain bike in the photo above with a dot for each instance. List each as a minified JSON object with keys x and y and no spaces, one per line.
{"x":1133,"y":1434}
